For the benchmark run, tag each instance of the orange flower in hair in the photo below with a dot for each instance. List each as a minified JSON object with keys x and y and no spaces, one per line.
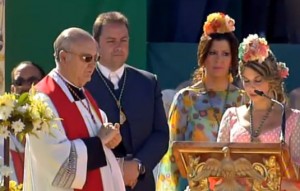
{"x":218,"y":23}
{"x":254,"y":48}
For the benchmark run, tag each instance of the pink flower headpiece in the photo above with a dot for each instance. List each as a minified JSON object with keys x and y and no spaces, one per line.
{"x":283,"y":70}
{"x":218,"y":23}
{"x":254,"y":48}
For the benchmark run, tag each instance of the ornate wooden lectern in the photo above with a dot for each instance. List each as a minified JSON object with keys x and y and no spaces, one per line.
{"x":235,"y":166}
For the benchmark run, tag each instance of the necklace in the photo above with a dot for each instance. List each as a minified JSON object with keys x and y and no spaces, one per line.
{"x":87,"y":107}
{"x":255,"y":133}
{"x":215,"y":110}
{"x":117,"y":100}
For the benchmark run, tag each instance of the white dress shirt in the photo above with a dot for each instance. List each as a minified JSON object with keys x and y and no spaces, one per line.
{"x":113,"y":76}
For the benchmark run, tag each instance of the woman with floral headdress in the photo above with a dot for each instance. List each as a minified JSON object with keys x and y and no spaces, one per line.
{"x":260,"y":120}
{"x":196,"y":111}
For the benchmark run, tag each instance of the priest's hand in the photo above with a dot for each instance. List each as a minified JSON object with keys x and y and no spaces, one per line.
{"x":131,"y":173}
{"x":110,"y":134}
{"x":116,"y":139}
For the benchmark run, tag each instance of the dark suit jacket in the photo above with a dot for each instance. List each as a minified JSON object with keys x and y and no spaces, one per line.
{"x":145,"y":133}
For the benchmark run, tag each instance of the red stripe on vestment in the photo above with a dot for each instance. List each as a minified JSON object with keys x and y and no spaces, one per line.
{"x":73,"y":124}
{"x":18,"y":162}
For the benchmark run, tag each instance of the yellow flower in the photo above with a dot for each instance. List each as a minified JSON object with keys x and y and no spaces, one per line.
{"x":13,"y":186}
{"x":7,"y":100}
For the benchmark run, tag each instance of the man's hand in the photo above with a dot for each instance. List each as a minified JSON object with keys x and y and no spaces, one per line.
{"x":131,"y":173}
{"x":110,"y":134}
{"x":116,"y":140}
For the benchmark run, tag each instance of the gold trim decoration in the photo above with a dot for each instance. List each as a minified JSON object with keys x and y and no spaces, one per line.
{"x":229,"y":170}
{"x":270,"y":170}
{"x":193,"y":170}
{"x":234,"y":166}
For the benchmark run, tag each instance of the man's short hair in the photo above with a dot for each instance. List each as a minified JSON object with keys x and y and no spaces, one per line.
{"x":42,"y":72}
{"x":107,"y":18}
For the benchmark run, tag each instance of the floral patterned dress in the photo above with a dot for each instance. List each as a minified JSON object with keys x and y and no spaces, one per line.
{"x":232,"y":131}
{"x":194,"y":116}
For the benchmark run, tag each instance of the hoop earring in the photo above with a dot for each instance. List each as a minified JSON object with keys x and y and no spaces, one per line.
{"x":230,"y":78}
{"x":203,"y":74}
{"x":273,"y":93}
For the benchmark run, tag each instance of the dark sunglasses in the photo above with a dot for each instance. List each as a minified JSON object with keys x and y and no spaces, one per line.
{"x":21,"y":81}
{"x":86,"y":57}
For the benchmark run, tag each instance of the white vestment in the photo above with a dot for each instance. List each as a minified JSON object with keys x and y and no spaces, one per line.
{"x":45,"y":155}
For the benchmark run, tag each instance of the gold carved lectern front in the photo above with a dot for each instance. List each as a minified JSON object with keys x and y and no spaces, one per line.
{"x":234,"y":166}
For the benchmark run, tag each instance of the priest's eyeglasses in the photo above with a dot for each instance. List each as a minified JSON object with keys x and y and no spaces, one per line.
{"x":87,"y":58}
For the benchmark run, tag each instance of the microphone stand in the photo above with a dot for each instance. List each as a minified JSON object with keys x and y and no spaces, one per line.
{"x":283,"y":117}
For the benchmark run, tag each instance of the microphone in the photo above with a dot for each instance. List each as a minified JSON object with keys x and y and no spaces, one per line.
{"x":282,"y":135}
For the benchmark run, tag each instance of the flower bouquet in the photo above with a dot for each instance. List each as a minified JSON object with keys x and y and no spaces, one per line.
{"x":254,"y":48}
{"x":20,"y":115}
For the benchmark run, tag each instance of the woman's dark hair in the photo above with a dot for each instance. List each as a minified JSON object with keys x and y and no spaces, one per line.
{"x":204,"y":47}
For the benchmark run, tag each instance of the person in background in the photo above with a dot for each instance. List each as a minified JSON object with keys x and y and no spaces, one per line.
{"x":76,"y":155}
{"x":167,"y":97}
{"x":294,"y":98}
{"x":184,"y":84}
{"x":196,"y":110}
{"x":131,"y":97}
{"x":261,"y":119}
{"x":24,"y":75}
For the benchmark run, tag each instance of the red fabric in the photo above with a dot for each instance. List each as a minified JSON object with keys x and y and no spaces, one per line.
{"x":18,"y":162}
{"x":73,"y":124}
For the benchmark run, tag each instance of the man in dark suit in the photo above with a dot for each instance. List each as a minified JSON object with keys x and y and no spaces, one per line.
{"x":131,"y":97}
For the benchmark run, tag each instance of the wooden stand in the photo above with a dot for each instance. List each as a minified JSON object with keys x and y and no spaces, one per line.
{"x":235,"y":166}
